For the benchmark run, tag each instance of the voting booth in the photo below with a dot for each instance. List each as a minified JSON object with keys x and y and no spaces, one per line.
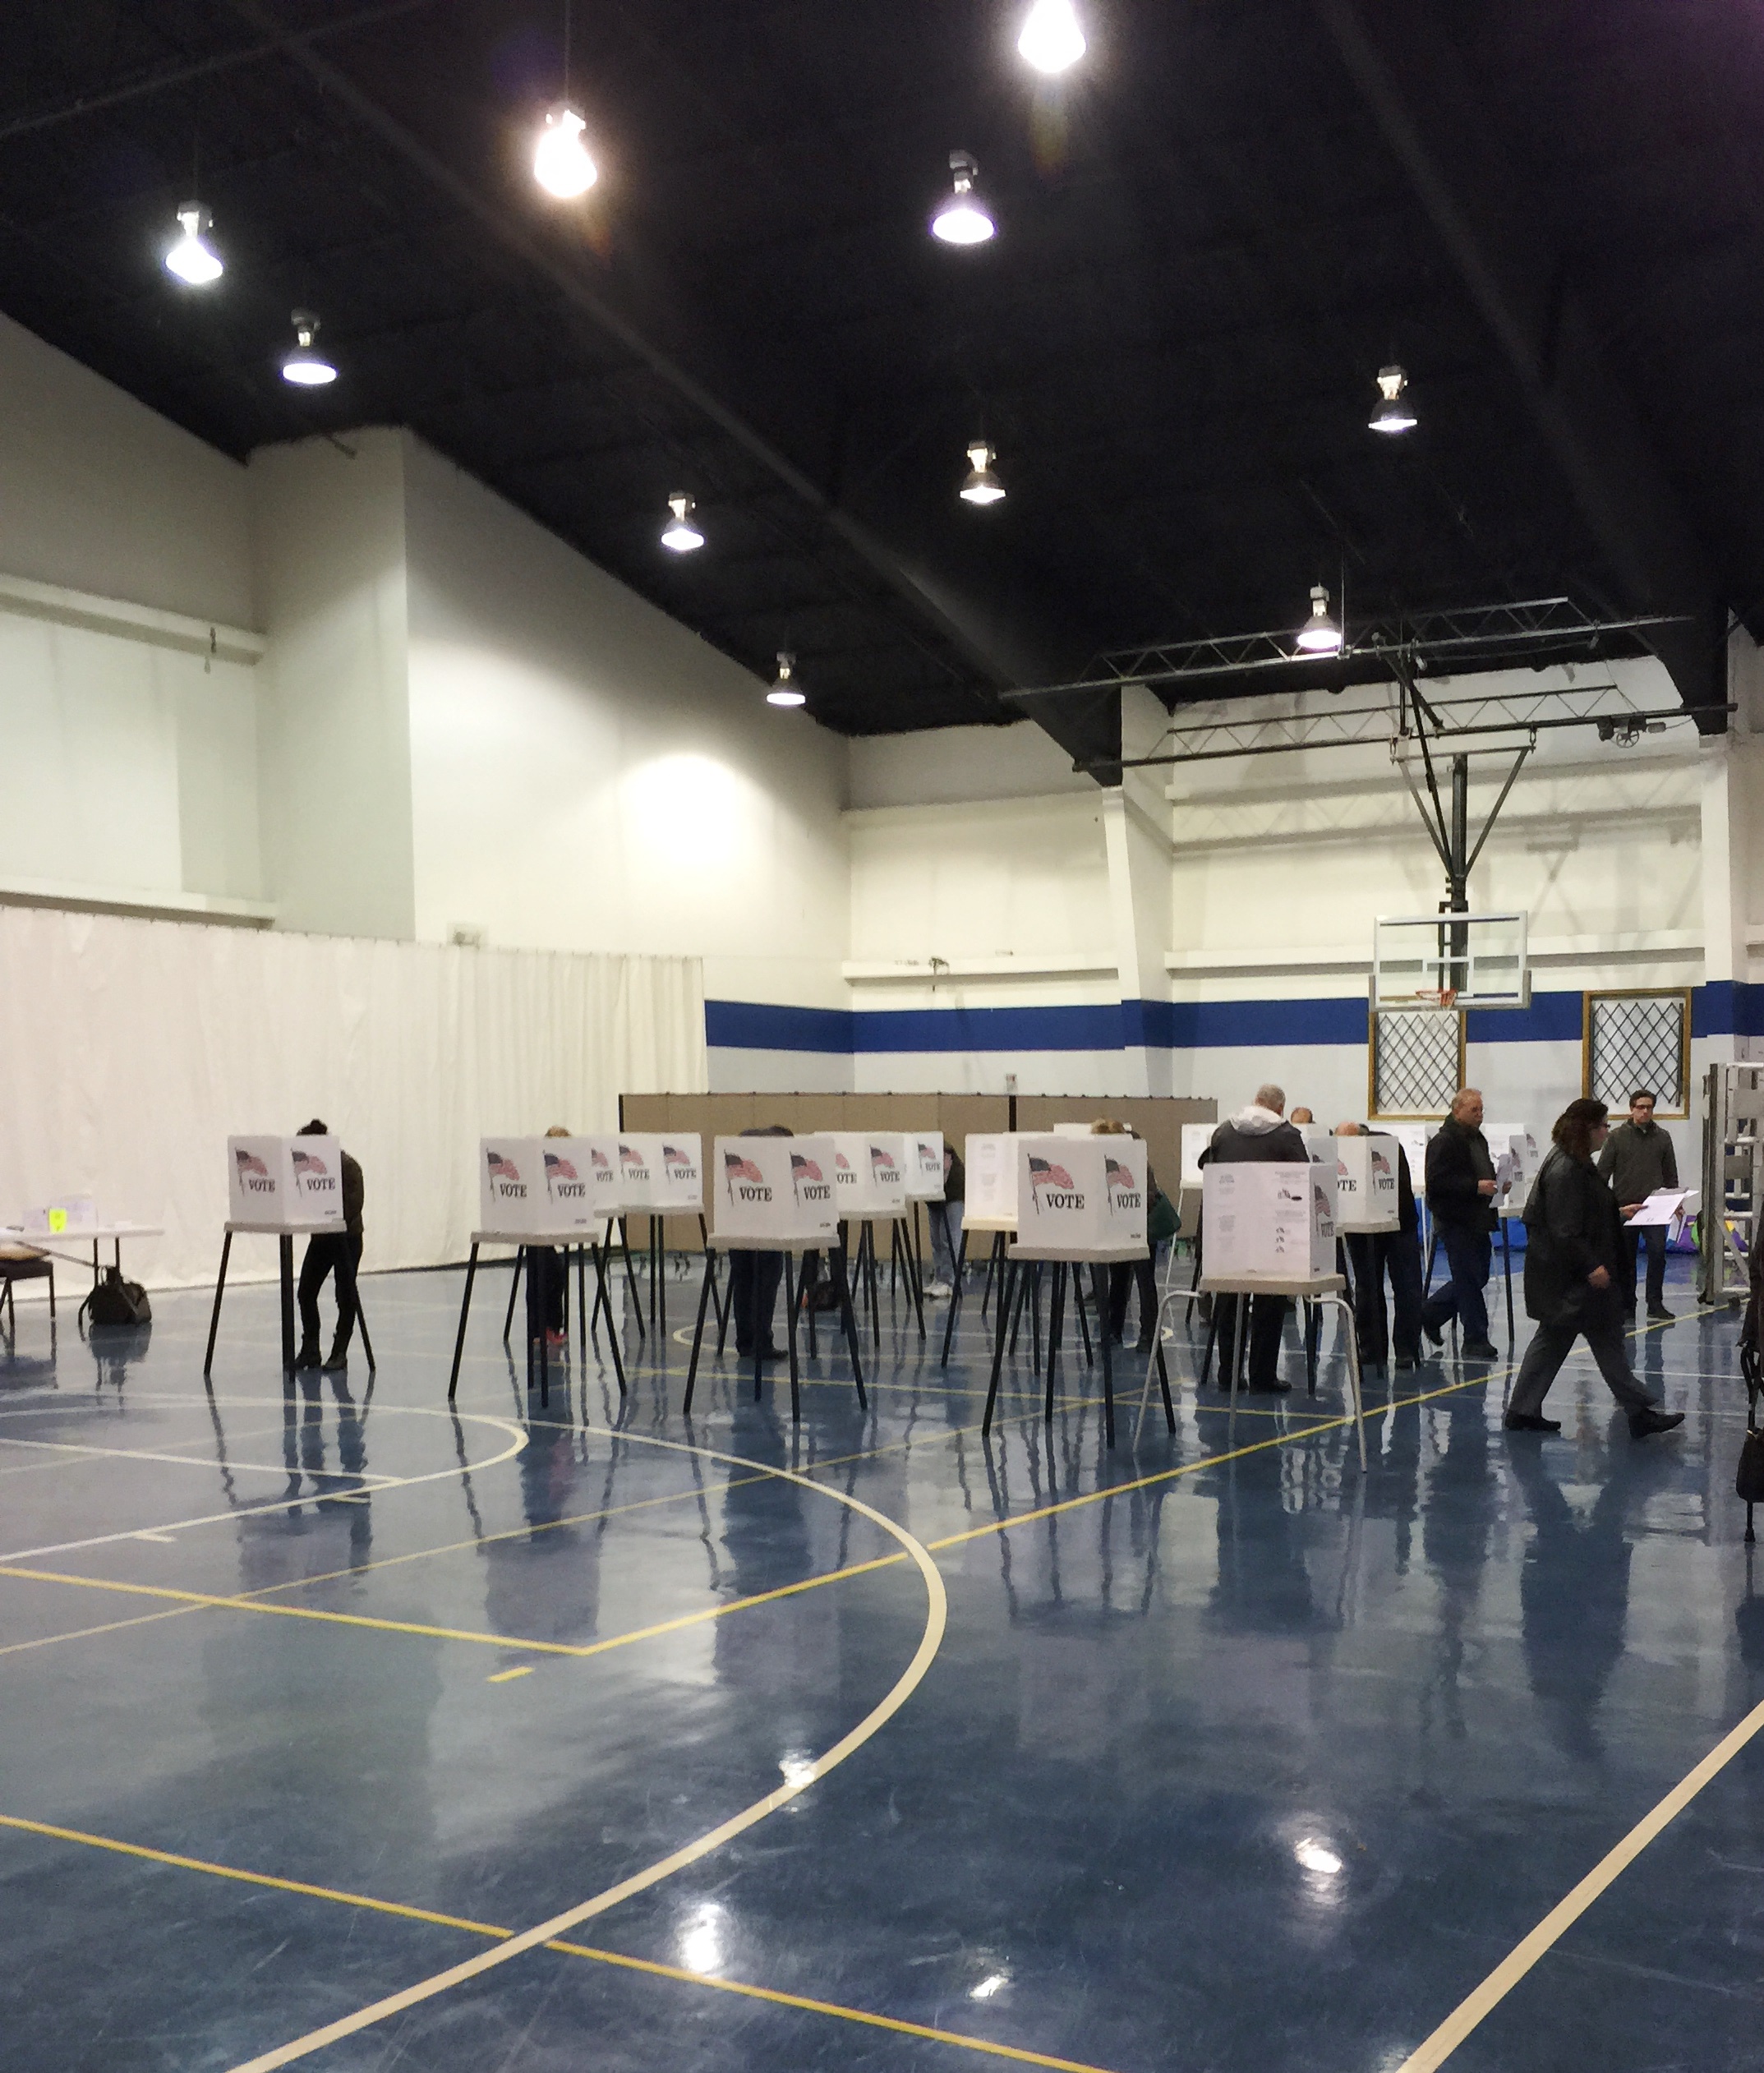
{"x":1272,"y":1220}
{"x":991,"y":1161}
{"x":511,"y":1184}
{"x":924,"y":1165}
{"x":1367,"y":1199}
{"x":292,"y":1182}
{"x":660,"y":1172}
{"x":869,"y":1172}
{"x":774,"y":1192}
{"x":1081,"y":1198}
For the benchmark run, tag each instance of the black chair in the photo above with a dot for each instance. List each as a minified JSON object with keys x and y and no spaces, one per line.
{"x":19,"y":1263}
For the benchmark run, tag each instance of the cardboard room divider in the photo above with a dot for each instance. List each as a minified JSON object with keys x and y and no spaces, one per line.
{"x":1158,"y":1119}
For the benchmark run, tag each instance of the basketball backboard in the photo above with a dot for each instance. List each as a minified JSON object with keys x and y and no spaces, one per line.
{"x":1450,"y":961}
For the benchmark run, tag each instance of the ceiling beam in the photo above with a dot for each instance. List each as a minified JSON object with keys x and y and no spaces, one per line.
{"x":1424,"y":102}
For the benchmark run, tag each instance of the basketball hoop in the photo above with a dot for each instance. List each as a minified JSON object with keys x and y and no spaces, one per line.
{"x":1435,"y":996}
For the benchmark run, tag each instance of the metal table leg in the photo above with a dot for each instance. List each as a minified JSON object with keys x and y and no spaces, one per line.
{"x":949,"y":1326}
{"x":465,"y":1312}
{"x":285,"y":1245}
{"x":214,"y":1322}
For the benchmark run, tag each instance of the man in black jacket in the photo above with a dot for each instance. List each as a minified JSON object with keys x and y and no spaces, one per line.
{"x":328,"y":1253}
{"x":1638,"y":1159}
{"x":1460,"y":1195}
{"x":1396,"y":1253}
{"x":1574,"y":1237}
{"x":1259,"y":1131}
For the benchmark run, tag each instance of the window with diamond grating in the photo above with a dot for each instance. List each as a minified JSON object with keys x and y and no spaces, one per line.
{"x":1417,"y":1060}
{"x":1634,"y":1040}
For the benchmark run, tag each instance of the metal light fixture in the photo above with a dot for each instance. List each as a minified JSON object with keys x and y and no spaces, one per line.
{"x":1052,"y":41}
{"x":983,"y":486}
{"x":784,"y":691}
{"x":305,"y":368}
{"x":681,"y":534}
{"x":1393,"y":414}
{"x":1320,"y":634}
{"x":562,"y":164}
{"x":964,"y":219}
{"x":193,"y":259}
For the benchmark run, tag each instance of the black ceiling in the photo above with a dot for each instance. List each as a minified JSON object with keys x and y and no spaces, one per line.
{"x":1211,"y":235}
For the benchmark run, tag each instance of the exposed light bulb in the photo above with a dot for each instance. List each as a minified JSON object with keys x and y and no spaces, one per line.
{"x":784,"y":691}
{"x":1320,"y":634}
{"x":561,"y":162}
{"x":303,"y":366}
{"x":1052,"y":39}
{"x":681,"y":535}
{"x":983,"y":486}
{"x":1393,"y":414}
{"x":1316,"y":1856}
{"x":192,"y":258}
{"x":964,"y":219}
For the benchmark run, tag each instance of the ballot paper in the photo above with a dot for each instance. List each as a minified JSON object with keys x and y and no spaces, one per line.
{"x":1665,"y":1205}
{"x":1505,"y":1167}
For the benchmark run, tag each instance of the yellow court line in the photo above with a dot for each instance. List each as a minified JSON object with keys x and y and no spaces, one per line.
{"x":505,"y":1676}
{"x":1506,"y":1975}
{"x":568,"y":1949}
{"x":937,"y":1614}
{"x":580,"y":1651}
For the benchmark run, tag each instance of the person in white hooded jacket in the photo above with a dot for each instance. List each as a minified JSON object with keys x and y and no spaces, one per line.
{"x":1259,"y":1131}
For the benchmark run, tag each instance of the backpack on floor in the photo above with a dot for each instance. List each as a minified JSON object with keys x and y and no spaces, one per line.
{"x":116,"y":1301}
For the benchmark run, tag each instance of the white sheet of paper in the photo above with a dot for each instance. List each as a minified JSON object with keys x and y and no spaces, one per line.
{"x":1661,"y":1207}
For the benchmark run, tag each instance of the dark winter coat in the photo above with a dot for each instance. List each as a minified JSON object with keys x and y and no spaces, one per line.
{"x":1255,"y":1133}
{"x":1458,"y":1159}
{"x":1571,"y":1226}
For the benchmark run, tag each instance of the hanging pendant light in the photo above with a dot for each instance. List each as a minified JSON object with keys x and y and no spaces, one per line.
{"x":1320,"y":634}
{"x":680,"y":533}
{"x":193,"y":259}
{"x":784,"y":691}
{"x":1393,"y":414}
{"x":1052,"y":41}
{"x":304,"y":367}
{"x":562,"y":162}
{"x":964,"y":219}
{"x":983,"y":486}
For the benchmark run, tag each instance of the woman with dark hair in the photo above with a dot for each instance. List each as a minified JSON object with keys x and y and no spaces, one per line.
{"x":1573,"y":1255}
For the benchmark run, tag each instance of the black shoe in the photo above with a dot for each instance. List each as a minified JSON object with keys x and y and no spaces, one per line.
{"x":1659,"y":1315}
{"x":1641,"y":1423}
{"x":1480,"y":1349}
{"x":1143,"y":1344}
{"x":1530,"y":1421}
{"x":1408,"y":1359}
{"x":1436,"y":1332}
{"x":307,"y":1357}
{"x":1273,"y":1387}
{"x":339,"y":1358}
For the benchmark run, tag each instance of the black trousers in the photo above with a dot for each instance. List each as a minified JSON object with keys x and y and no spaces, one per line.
{"x":1122,"y":1274}
{"x":548,"y":1277}
{"x":338,"y":1254}
{"x":1375,"y":1256}
{"x":1267,"y":1317}
{"x":754,"y":1278}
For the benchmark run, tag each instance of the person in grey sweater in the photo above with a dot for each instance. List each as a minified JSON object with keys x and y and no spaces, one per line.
{"x":1638,"y":1158}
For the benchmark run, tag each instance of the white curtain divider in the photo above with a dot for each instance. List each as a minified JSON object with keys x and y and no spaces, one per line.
{"x":130,"y":1050}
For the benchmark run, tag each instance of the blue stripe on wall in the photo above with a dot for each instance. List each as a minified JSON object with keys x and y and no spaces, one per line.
{"x":1722,"y":1009}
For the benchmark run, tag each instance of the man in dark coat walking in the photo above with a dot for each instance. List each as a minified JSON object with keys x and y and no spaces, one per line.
{"x":1461,"y":1196}
{"x":1573,"y":1239}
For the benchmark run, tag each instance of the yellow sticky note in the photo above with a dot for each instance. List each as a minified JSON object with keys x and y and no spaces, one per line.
{"x":57,"y":1220}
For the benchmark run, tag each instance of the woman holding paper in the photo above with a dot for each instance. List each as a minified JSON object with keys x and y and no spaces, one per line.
{"x":1574,"y":1239}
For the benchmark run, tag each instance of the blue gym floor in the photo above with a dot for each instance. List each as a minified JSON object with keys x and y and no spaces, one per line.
{"x":1213,"y":1754}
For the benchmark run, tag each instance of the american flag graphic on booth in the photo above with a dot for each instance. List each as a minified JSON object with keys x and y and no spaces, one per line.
{"x":558,"y":1168}
{"x":1116,"y":1174}
{"x":629,"y":1157}
{"x":882,"y":1167}
{"x":602,"y":1165}
{"x":501,"y":1168}
{"x":1043,"y":1172}
{"x":805,"y":1169}
{"x":1380,"y":1164}
{"x":737,"y":1167}
{"x":249,"y":1162}
{"x":672,"y":1155}
{"x":307,"y":1163}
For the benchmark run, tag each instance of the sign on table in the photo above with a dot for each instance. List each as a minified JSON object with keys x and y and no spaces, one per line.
{"x":991,"y":1160}
{"x":779,"y":1188}
{"x":1277,"y":1220}
{"x":284,"y":1180}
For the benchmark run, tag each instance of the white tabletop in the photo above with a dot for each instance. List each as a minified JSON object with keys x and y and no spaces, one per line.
{"x":987,"y":1224}
{"x":1311,"y":1285}
{"x":81,"y":1234}
{"x":578,"y":1234}
{"x":796,"y":1247}
{"x":1096,"y":1256}
{"x":288,"y":1230}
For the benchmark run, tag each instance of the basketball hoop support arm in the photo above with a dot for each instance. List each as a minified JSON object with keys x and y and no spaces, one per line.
{"x":1451,"y":837}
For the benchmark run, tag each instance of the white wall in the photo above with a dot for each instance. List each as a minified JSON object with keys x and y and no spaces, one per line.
{"x":100,"y":494}
{"x":586,"y":773}
{"x":328,"y":521}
